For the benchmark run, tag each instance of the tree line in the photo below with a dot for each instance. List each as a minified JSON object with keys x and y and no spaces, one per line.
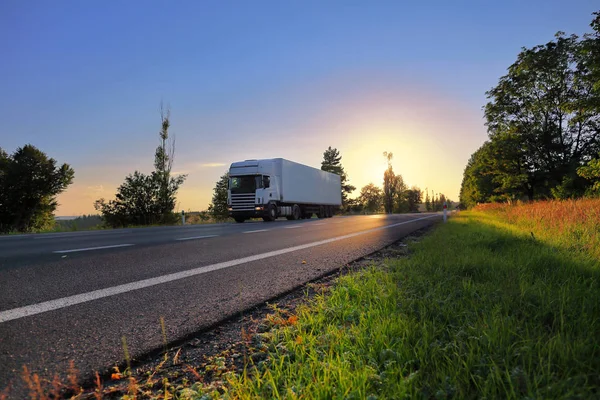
{"x":30,"y":182}
{"x":543,"y":122}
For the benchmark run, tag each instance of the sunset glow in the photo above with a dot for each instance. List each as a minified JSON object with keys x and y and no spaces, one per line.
{"x":267,"y":86}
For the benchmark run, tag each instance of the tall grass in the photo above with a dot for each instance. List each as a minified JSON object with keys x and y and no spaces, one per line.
{"x":482,"y":309}
{"x":572,"y":224}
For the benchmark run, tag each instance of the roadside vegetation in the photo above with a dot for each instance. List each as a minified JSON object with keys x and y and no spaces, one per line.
{"x":147,"y":199}
{"x":493,"y":304}
{"x":29,"y":184}
{"x":543,"y":120}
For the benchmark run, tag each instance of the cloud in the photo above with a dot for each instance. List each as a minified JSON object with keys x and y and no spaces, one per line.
{"x":212,"y":165}
{"x":96,"y":189}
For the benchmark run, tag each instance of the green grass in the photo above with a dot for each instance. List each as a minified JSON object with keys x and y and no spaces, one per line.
{"x":481,"y":309}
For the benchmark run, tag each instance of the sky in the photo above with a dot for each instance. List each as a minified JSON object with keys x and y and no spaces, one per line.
{"x":83,"y":82}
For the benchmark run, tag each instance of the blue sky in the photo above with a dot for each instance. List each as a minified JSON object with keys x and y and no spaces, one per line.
{"x":82,"y":80}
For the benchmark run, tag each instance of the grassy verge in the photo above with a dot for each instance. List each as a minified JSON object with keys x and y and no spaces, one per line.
{"x":482,"y":309}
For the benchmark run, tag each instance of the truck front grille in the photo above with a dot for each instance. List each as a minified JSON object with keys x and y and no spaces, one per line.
{"x":242,"y":202}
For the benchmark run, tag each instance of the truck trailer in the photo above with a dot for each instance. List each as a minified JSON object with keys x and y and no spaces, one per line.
{"x":273,"y":188}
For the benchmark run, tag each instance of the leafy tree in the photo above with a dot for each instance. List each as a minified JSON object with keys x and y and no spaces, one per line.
{"x":29,"y":184}
{"x":354,"y":205}
{"x":390,"y":185}
{"x":541,"y":120}
{"x":163,"y":163}
{"x":591,"y":172}
{"x":414,"y":198}
{"x":218,"y":207}
{"x":401,"y":201}
{"x":147,"y":199}
{"x":137,"y":202}
{"x":428,"y":206}
{"x":477,"y":185}
{"x":371,"y":198}
{"x":332,"y":162}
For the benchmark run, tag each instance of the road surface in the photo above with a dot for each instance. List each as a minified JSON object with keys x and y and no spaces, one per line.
{"x":74,"y":296}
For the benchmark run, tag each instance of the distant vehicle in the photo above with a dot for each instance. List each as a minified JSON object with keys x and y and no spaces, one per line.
{"x":276,"y":187}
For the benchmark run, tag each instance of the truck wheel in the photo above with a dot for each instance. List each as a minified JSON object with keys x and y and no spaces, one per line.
{"x":271,"y":213}
{"x":296,"y":212}
{"x":321,"y":213}
{"x":329,"y":212}
{"x":240,"y":220}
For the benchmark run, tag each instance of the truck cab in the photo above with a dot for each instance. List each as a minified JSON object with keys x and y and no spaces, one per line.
{"x":252,"y":184}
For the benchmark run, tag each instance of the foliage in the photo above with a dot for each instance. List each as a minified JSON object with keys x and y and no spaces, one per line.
{"x":218,"y":207}
{"x":355,"y":205}
{"x":591,"y":172}
{"x":332,"y":162}
{"x":543,"y":121}
{"x":413,"y":199}
{"x":390,"y":185}
{"x":471,"y":314}
{"x":29,"y":184}
{"x":400,"y":204}
{"x":83,"y":222}
{"x":371,"y":198}
{"x":428,"y":205}
{"x":477,"y":186}
{"x":147,"y":199}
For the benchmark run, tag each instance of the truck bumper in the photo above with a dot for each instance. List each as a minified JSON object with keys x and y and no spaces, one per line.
{"x":258,"y":212}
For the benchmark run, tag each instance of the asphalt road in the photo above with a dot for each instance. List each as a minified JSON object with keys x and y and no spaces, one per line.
{"x":73,"y":296}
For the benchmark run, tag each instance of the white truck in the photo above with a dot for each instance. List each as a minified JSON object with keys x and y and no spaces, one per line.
{"x":276,"y":187}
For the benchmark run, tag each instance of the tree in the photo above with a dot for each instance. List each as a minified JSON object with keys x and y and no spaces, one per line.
{"x":591,"y":172}
{"x":29,"y":184}
{"x":137,"y":202}
{"x":332,"y":162}
{"x":354,"y":205}
{"x":389,"y":185}
{"x":428,"y":206}
{"x":414,"y":198}
{"x":163,"y":163}
{"x":541,"y":118}
{"x":400,"y":198}
{"x":477,"y":185}
{"x":218,"y":207}
{"x":371,"y":198}
{"x":147,"y":199}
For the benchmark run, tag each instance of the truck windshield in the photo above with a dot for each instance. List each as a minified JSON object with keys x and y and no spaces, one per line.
{"x":245,"y":184}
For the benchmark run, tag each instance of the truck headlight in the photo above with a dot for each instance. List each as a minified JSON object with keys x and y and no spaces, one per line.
{"x":258,"y":208}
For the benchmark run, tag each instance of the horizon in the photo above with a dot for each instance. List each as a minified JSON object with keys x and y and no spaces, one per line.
{"x":85,"y":83}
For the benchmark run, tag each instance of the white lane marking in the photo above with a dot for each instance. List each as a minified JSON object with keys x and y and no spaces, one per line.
{"x":339,"y":222}
{"x":78,"y":234}
{"x":93,"y":248}
{"x":197,"y":237}
{"x":293,"y":226}
{"x":33,"y":309}
{"x":258,"y":230}
{"x":320,"y":223}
